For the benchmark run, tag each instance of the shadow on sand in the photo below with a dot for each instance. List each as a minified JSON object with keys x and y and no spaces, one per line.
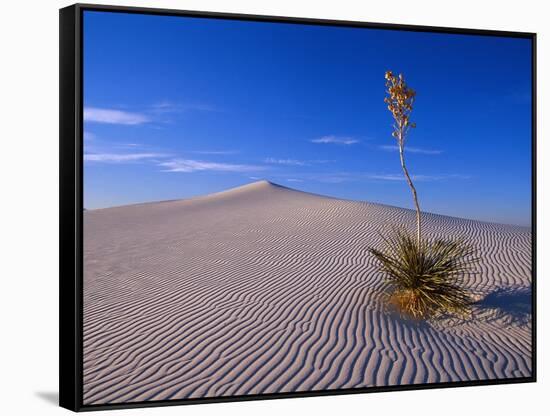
{"x":513,"y":304}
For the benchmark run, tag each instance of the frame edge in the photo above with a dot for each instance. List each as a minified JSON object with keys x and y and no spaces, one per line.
{"x":301,"y":20}
{"x":70,"y":396}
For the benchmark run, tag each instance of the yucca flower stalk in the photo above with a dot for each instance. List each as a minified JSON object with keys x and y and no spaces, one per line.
{"x":400,"y":102}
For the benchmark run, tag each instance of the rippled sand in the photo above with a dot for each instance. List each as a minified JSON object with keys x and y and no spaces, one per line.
{"x":264,"y":289}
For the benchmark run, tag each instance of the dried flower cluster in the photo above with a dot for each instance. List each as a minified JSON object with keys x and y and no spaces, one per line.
{"x":400,"y":102}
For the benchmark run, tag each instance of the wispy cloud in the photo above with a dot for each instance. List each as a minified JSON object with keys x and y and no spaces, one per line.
{"x":395,"y":148}
{"x":288,"y":162}
{"x":343,"y":177}
{"x":153,"y":113}
{"x":215,"y":152}
{"x":420,"y":178}
{"x":174,"y":107}
{"x":295,"y":162}
{"x":335,"y":140}
{"x":121,"y":157}
{"x":333,"y":178}
{"x":294,"y":180}
{"x":188,"y":165}
{"x":110,"y":116}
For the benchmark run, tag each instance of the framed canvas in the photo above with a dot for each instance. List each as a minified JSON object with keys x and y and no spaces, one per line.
{"x":259,"y":207}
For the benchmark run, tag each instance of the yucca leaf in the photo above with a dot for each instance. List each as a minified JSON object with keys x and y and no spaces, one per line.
{"x":427,"y":279}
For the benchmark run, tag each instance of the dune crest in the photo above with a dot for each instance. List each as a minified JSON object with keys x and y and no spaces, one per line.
{"x":264,"y":289}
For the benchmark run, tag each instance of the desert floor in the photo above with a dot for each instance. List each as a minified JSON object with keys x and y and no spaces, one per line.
{"x":264,"y":289}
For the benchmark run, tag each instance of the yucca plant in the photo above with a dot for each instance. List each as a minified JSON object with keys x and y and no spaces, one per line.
{"x":426,"y":279}
{"x":425,"y":276}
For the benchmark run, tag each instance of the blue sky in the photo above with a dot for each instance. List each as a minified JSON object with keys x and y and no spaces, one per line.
{"x":178,"y":107}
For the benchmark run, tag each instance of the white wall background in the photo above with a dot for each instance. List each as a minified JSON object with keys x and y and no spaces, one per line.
{"x":29,"y":204}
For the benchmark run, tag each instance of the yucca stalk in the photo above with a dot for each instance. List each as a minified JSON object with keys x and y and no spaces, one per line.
{"x":400,"y":101}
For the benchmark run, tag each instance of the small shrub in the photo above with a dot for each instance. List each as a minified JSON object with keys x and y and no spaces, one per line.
{"x":426,"y":277}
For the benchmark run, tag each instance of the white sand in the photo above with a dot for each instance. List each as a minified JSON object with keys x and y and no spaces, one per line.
{"x":264,"y":289}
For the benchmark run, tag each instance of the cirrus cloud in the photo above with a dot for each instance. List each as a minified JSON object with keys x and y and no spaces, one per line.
{"x":120,"y":157}
{"x":189,"y":165}
{"x":335,"y":140}
{"x":289,"y":162}
{"x":394,"y":148}
{"x":110,"y":116}
{"x":421,"y":178}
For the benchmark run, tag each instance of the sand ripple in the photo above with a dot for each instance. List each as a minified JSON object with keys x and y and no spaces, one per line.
{"x":263,"y":289}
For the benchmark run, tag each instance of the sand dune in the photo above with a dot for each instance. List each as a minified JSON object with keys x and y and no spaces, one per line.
{"x":265,"y":289}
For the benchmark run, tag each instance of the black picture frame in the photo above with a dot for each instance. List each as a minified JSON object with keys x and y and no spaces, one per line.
{"x":71,"y":203}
